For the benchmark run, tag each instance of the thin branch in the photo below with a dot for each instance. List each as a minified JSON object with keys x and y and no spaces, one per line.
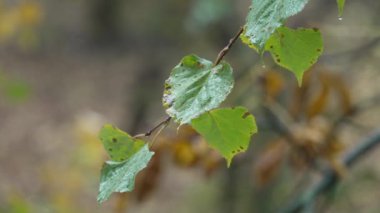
{"x":356,"y":109}
{"x":149,"y":133}
{"x":158,"y":133}
{"x":330,"y":178}
{"x":276,"y":119}
{"x":225,"y":50}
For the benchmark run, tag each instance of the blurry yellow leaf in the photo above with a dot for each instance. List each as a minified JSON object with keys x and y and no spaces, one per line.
{"x":344,"y":94}
{"x":20,"y":22}
{"x":274,"y":84}
{"x":30,"y":13}
{"x":62,"y":202}
{"x":8,"y":24}
{"x":330,"y":83}
{"x":320,"y":101}
{"x":86,"y":128}
{"x":184,"y":154}
{"x":269,"y":161}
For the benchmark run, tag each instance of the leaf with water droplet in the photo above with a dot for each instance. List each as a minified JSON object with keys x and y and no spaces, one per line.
{"x":120,"y":176}
{"x":118,"y":144}
{"x":195,"y":86}
{"x":340,"y":8}
{"x":227,"y":130}
{"x":296,"y":50}
{"x":265,"y":17}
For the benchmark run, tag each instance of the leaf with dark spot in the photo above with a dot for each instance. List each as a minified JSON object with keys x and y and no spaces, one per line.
{"x":264,"y":17}
{"x":246,"y":114}
{"x":295,"y":50}
{"x":118,"y":144}
{"x":227,"y":130}
{"x":196,"y":86}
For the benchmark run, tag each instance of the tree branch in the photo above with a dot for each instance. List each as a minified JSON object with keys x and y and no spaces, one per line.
{"x":356,"y":109}
{"x":225,"y":50}
{"x":330,"y":177}
{"x":147,"y":134}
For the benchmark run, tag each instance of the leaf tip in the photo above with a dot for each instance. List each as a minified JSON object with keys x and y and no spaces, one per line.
{"x":100,"y":200}
{"x":299,"y":79}
{"x":341,"y":4}
{"x":229,"y":161}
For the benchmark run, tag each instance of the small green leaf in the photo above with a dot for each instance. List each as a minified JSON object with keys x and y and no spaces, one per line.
{"x":120,"y":176}
{"x":340,"y":6}
{"x":265,"y":16}
{"x":296,"y":50}
{"x":17,"y":90}
{"x":203,"y":13}
{"x":119,"y":145}
{"x":196,"y":86}
{"x":226,"y":130}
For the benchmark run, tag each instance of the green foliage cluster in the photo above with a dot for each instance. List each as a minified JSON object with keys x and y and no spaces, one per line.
{"x":196,"y":87}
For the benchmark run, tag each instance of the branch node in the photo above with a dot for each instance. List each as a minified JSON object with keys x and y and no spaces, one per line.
{"x":225,"y":50}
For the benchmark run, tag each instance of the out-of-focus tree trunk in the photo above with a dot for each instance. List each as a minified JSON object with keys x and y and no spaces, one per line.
{"x":106,"y":20}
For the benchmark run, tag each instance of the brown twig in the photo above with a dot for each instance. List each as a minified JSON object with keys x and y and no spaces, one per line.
{"x":330,"y":178}
{"x":149,"y":133}
{"x":356,"y":109}
{"x":225,"y":50}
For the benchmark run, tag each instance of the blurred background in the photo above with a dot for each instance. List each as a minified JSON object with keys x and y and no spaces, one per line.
{"x":68,"y":67}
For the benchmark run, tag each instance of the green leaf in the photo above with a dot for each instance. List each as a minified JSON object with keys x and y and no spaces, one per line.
{"x":296,"y":50}
{"x":119,"y":145}
{"x":265,"y":16}
{"x":196,"y":86}
{"x":17,"y":91}
{"x":203,"y":13}
{"x":340,"y":6}
{"x":120,"y":176}
{"x":227,"y":130}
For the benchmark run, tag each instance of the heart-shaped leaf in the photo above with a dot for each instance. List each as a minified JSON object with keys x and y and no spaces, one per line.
{"x":120,"y":176}
{"x":296,"y":50}
{"x":195,"y":86}
{"x":227,"y":130}
{"x":118,"y":144}
{"x":265,"y":16}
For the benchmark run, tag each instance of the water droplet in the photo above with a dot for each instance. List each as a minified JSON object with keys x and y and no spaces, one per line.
{"x":262,"y":61}
{"x":340,"y":19}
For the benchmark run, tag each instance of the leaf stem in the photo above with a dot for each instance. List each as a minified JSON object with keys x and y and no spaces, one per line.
{"x":158,"y":133}
{"x":225,"y":50}
{"x":149,"y":133}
